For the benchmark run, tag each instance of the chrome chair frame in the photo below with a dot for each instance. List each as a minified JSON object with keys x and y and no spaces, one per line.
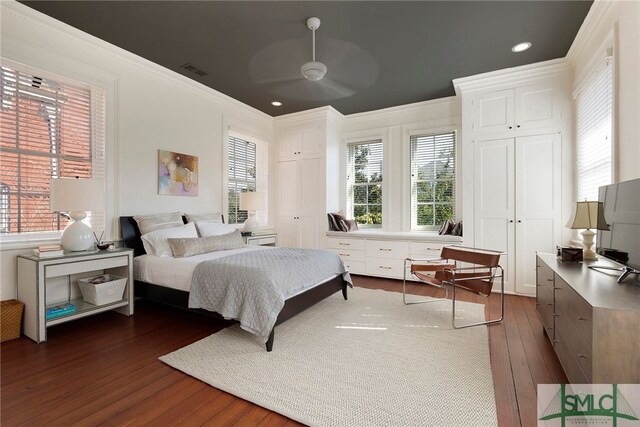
{"x":496,"y":272}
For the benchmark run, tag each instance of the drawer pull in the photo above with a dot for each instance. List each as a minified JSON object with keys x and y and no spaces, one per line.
{"x":344,"y":255}
{"x":583,"y":356}
{"x":556,"y":342}
{"x":549,"y":280}
{"x":386,"y":268}
{"x":556,"y":288}
{"x":549,"y":303}
{"x":582,"y":318}
{"x":344,"y":244}
{"x":384,"y":249}
{"x":556,"y":315}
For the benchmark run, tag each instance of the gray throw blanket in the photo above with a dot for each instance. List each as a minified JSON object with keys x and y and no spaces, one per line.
{"x":251,"y":287}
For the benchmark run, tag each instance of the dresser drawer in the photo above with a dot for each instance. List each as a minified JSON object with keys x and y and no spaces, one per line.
{"x":387,"y":249}
{"x":340,"y":243}
{"x":349,"y":255}
{"x":579,"y":350}
{"x":568,"y":360}
{"x":385,"y":267}
{"x":544,"y":276}
{"x":355,"y":267}
{"x":544,"y":301}
{"x":571,"y":306}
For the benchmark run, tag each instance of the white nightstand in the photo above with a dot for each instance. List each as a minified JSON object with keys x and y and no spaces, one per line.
{"x":262,"y":239}
{"x":44,"y":282}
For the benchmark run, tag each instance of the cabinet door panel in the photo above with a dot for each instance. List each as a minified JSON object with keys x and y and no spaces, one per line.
{"x":289,"y":144}
{"x":534,"y":106}
{"x":288,"y":230}
{"x":308,"y":229}
{"x":309,"y":179}
{"x":493,"y":112}
{"x":311,"y":142}
{"x":288,"y":188}
{"x":537,"y":199}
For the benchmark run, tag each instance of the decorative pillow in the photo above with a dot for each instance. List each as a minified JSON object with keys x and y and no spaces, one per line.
{"x":155,"y":242}
{"x":149,"y":223}
{"x":334,"y":220}
{"x":446,"y":227}
{"x":457,"y":229}
{"x":188,"y":247}
{"x":214,"y":228}
{"x":213,"y":217}
{"x":348,"y":225}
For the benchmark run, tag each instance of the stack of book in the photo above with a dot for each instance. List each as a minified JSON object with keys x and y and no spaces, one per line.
{"x":47,"y":251}
{"x":60,"y":310}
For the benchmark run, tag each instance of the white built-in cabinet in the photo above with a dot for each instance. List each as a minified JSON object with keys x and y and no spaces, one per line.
{"x":301,"y":142}
{"x":299,"y":206}
{"x":514,"y":127}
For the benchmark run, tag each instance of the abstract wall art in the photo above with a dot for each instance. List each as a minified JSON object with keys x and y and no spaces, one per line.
{"x":177,"y":174}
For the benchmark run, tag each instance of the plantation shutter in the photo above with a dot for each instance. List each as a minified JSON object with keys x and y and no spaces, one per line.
{"x":433,"y":180}
{"x":593,"y":133}
{"x":247,"y":171}
{"x":48,"y":128}
{"x":364,"y":182}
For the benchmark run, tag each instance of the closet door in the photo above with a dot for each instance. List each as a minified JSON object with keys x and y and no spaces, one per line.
{"x":537,"y":208}
{"x":494,"y":204}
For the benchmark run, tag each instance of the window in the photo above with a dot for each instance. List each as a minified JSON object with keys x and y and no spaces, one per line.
{"x":433,"y":180}
{"x":247,"y":171}
{"x":593,"y":133}
{"x":49,"y":128}
{"x":364,"y":183}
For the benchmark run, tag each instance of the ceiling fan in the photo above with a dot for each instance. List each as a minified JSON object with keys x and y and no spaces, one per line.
{"x":350,"y":68}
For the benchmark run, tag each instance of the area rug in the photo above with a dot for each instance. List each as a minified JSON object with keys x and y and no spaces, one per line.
{"x":368,"y":361}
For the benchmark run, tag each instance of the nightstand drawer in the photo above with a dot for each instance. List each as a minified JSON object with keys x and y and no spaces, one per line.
{"x":262,"y":241}
{"x":73,"y":267}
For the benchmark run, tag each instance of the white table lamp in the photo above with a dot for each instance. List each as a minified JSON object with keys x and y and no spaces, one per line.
{"x":251,"y":202}
{"x":76,"y":196}
{"x":588,"y":215}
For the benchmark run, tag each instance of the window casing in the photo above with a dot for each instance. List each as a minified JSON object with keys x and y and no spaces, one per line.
{"x":365,"y":183}
{"x":433,"y":180}
{"x":593,"y":132}
{"x":49,"y":128}
{"x":247,"y":165}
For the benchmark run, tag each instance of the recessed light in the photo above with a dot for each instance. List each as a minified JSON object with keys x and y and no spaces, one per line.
{"x":521,"y":47}
{"x":276,"y":104}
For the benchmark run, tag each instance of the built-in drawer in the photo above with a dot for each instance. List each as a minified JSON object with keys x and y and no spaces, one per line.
{"x":568,"y":360}
{"x":387,"y":249}
{"x":425,"y":249}
{"x":571,"y":306}
{"x":349,"y":255}
{"x":340,"y":243}
{"x":384,"y":267}
{"x":355,"y":267}
{"x":579,"y":348}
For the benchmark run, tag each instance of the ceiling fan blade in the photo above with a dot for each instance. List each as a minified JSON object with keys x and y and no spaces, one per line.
{"x":339,"y":90}
{"x":272,"y":80}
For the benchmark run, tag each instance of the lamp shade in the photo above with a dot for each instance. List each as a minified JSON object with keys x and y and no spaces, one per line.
{"x":251,"y":201}
{"x":588,"y":215}
{"x":76,"y":194}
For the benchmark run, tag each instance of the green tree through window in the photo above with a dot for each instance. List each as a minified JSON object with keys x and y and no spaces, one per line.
{"x":364,"y":182}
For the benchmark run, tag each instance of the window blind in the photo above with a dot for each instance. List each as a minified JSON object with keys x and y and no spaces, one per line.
{"x":48,"y":129}
{"x":433,"y":180}
{"x":593,"y":133}
{"x":364,"y":182}
{"x":247,"y":171}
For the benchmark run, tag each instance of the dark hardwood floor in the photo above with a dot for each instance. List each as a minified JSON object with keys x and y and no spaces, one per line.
{"x":104,"y":370}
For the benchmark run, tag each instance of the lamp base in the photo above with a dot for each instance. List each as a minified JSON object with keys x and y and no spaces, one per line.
{"x":251,"y":224}
{"x":587,"y":240}
{"x":78,"y":236}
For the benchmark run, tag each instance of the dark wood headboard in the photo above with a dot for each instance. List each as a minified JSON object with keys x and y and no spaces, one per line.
{"x":131,"y":234}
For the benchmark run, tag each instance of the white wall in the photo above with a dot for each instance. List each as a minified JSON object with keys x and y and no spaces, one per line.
{"x":620,"y":21}
{"x":393,"y":126}
{"x":149,"y":108}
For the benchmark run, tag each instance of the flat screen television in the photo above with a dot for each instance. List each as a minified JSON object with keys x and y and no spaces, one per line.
{"x":621,"y":242}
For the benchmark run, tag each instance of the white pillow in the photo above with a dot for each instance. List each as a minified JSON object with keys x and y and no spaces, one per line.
{"x":214,"y":228}
{"x":156,"y":243}
{"x":209,"y":217}
{"x":149,"y":223}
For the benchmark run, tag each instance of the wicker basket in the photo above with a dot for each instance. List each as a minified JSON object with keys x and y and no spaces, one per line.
{"x":10,"y":319}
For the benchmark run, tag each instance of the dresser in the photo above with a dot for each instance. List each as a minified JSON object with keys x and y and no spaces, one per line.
{"x":592,"y":321}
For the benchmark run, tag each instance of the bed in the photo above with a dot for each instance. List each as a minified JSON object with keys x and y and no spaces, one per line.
{"x":172,"y":281}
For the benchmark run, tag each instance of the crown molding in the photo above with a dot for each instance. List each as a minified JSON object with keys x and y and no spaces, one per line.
{"x":302,"y":117}
{"x":598,"y":10}
{"x":12,"y":10}
{"x":404,"y":109}
{"x":509,"y":76}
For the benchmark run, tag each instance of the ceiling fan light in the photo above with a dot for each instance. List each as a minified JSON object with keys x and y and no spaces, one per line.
{"x":313,"y":70}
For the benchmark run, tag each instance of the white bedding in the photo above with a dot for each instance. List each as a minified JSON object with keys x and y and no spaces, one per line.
{"x":176,"y":273}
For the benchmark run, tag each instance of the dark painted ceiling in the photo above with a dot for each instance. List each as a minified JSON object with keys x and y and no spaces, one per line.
{"x":378,"y":54}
